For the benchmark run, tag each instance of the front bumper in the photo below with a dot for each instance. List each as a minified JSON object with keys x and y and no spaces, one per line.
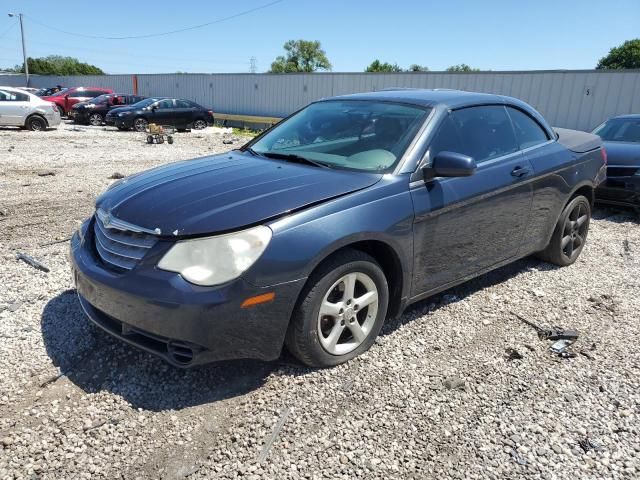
{"x":79,"y":116}
{"x":183,"y":323}
{"x":120,"y":122}
{"x":622,"y":191}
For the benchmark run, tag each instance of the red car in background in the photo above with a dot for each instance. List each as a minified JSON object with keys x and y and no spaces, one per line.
{"x":67,"y":98}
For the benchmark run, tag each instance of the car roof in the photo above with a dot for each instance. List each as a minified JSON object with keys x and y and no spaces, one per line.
{"x":429,"y":97}
{"x":631,"y":116}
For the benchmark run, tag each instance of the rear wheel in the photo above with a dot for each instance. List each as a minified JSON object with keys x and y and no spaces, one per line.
{"x":149,"y":139}
{"x":140,"y":124}
{"x":95,"y":119}
{"x":570,"y":234}
{"x":341,"y":311}
{"x":170,"y":140}
{"x":199,"y":124}
{"x":36,"y":123}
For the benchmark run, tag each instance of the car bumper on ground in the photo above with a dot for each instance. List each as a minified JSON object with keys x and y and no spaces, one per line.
{"x":185,"y":324}
{"x":622,"y":191}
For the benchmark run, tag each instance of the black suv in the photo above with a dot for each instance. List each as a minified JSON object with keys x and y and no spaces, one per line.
{"x":176,"y":112}
{"x":94,"y":111}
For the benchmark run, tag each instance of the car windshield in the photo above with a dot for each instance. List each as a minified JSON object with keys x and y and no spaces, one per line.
{"x":144,"y":103}
{"x":620,"y":130}
{"x":100,"y":99}
{"x":61,"y":92}
{"x":350,"y":134}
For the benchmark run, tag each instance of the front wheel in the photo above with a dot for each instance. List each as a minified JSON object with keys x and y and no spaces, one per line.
{"x":570,"y":234}
{"x":341,"y":311}
{"x":95,"y":119}
{"x":36,"y":124}
{"x":140,"y":124}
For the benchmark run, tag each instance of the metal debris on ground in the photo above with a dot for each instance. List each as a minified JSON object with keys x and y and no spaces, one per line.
{"x":590,"y":444}
{"x":519,"y":459}
{"x":46,"y":173}
{"x":267,"y":446}
{"x":32,"y":261}
{"x":115,"y":176}
{"x":54,"y":242}
{"x":513,"y":354}
{"x":555,"y":333}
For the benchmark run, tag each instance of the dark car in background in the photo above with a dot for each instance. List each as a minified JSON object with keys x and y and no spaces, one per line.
{"x":48,"y":91}
{"x":94,"y":111}
{"x":65,"y":99}
{"x":176,"y":112}
{"x":621,"y":136}
{"x":335,"y":219}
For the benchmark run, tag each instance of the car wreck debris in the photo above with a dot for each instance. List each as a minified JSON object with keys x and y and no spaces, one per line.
{"x":32,"y":261}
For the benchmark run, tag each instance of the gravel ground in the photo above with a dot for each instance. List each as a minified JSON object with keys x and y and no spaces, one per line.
{"x":457,"y":387}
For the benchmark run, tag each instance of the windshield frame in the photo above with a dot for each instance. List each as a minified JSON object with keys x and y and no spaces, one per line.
{"x":400,"y":161}
{"x":620,"y":120}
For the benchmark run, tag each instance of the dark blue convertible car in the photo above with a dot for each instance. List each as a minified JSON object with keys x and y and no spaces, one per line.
{"x":335,"y":219}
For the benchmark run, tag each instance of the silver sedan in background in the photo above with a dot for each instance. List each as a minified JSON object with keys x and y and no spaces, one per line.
{"x":25,"y":110}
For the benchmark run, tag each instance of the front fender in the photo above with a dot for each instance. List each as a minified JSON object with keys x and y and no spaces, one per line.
{"x":382,"y":213}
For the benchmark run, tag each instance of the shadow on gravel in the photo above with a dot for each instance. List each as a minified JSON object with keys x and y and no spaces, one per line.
{"x":616,"y":214}
{"x":455,"y":294}
{"x":94,"y":361}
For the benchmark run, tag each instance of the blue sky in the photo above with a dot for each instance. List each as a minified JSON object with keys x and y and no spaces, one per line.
{"x":489,"y":34}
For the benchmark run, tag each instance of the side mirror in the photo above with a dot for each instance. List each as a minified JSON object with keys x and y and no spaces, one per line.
{"x":450,"y":164}
{"x":154,"y":108}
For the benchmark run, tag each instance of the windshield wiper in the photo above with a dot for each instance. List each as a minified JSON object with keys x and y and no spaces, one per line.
{"x":292,"y":157}
{"x":253,"y":152}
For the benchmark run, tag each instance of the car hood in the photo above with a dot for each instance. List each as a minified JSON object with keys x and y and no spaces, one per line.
{"x":223,"y":193}
{"x":115,"y":111}
{"x":622,"y":153}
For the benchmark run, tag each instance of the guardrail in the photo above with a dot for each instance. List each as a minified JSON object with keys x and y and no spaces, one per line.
{"x":245,"y":119}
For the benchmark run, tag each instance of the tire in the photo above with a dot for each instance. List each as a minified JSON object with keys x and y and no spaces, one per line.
{"x":149,"y":139}
{"x":96,"y":119}
{"x":160,"y":139}
{"x":570,"y":234}
{"x":319,"y":340}
{"x":170,"y":140}
{"x":199,"y":124}
{"x":36,"y":123}
{"x":140,"y":124}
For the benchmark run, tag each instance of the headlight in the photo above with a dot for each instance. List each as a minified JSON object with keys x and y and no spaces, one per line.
{"x":89,"y":105}
{"x":122,"y":114}
{"x":215,"y":260}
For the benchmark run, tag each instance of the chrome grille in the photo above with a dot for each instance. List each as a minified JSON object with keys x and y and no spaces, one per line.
{"x":119,"y":248}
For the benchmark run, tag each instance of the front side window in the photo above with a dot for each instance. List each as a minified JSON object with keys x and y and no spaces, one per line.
{"x":620,"y":130}
{"x":351,"y":134}
{"x":485,"y":132}
{"x":163,"y":104}
{"x":528,"y":132}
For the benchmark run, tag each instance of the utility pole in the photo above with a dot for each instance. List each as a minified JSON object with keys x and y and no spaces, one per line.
{"x":253,"y":67}
{"x":24,"y":48}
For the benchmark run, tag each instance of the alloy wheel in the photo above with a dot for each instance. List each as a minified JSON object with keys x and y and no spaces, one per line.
{"x":95,"y":119}
{"x":574,"y":231}
{"x":140,"y":124}
{"x":199,"y":124}
{"x":347,"y":313}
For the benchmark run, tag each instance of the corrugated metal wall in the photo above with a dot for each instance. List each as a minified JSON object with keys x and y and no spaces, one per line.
{"x":571,"y":99}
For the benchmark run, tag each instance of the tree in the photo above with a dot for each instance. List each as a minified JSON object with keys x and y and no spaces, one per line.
{"x":418,"y":68}
{"x":379,"y":67}
{"x":626,"y":55}
{"x":463,"y":67}
{"x":301,"y":56}
{"x":58,"y":65}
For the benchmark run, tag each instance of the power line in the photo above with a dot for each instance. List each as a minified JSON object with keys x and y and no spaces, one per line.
{"x":151,"y":35}
{"x":13,"y":24}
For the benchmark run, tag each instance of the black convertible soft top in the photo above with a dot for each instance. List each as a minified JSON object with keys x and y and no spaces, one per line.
{"x":577,"y":141}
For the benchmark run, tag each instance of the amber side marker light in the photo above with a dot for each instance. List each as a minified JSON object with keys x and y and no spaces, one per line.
{"x":258,"y":299}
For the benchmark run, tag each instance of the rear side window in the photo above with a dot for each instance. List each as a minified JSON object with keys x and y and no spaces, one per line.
{"x":528,"y":132}
{"x":6,"y":96}
{"x":183,"y":104}
{"x":482,"y":133}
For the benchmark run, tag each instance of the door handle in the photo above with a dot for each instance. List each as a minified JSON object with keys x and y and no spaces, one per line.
{"x":520,"y":171}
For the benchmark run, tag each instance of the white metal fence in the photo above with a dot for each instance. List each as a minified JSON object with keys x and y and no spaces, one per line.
{"x":571,"y":99}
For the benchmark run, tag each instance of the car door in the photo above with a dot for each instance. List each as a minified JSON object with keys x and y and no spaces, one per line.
{"x":164,"y":113}
{"x":185,"y":112}
{"x":14,"y":107}
{"x":465,"y":225}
